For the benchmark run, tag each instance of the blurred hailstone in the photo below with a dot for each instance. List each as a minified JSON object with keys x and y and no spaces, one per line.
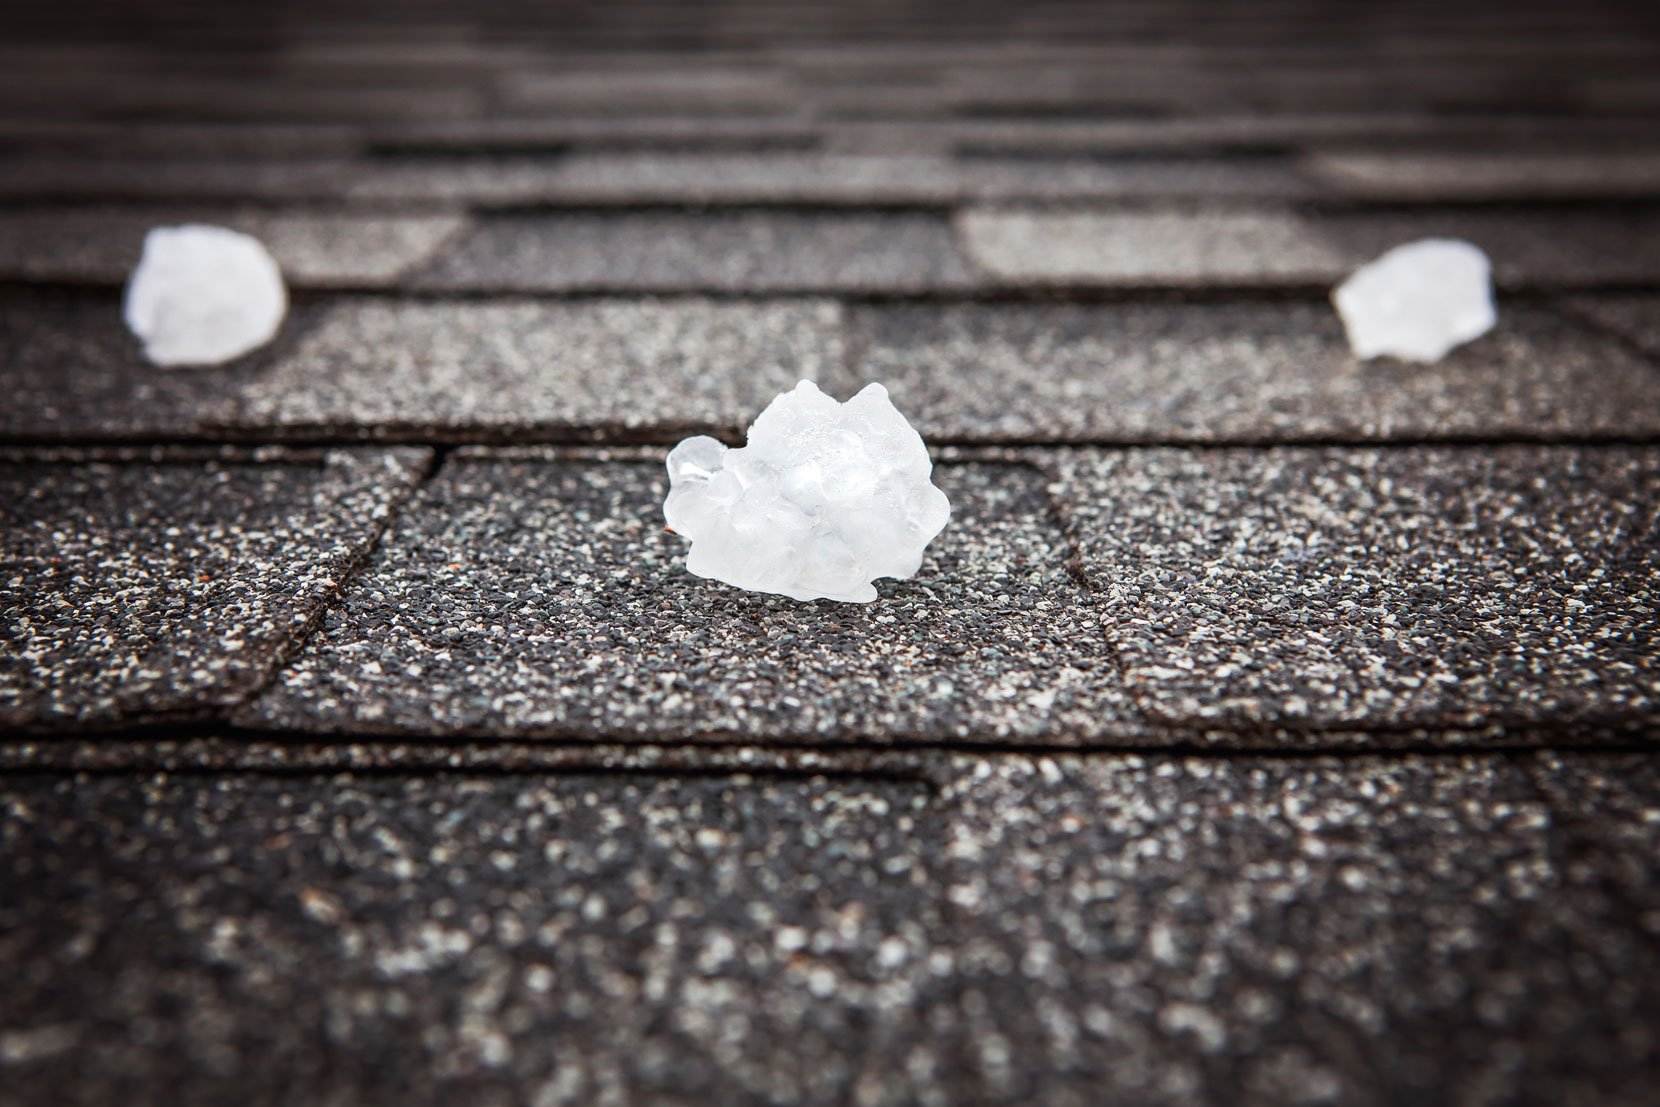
{"x":825,"y":498}
{"x":204,"y":295}
{"x":1418,"y":301}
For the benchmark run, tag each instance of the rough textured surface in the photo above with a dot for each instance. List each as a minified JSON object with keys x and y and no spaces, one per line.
{"x":597,"y":368}
{"x":721,"y":251}
{"x":603,"y":179}
{"x":221,"y":179}
{"x":1147,"y":248}
{"x":170,"y":584}
{"x":598,"y":939}
{"x":1249,"y":249}
{"x":1635,"y":316}
{"x":1543,"y":247}
{"x":529,"y":817}
{"x":1240,"y":372}
{"x":525,"y":596}
{"x":1324,"y":588}
{"x":1296,"y":931}
{"x":1163,"y":931}
{"x":71,"y":370}
{"x":100,"y":245}
{"x":1408,"y":176}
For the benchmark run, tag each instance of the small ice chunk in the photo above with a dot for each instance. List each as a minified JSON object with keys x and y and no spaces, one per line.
{"x":1418,"y":301}
{"x":204,"y":295}
{"x":825,"y":498}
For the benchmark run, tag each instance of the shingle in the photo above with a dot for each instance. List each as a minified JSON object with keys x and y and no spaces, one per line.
{"x":1540,"y":247}
{"x":183,"y":140}
{"x":1246,"y":132}
{"x":662,"y":88}
{"x":101,"y":245}
{"x":1326,"y":588}
{"x":1241,"y":372}
{"x":548,"y":134}
{"x":716,"y":251}
{"x":1250,"y":249}
{"x":593,"y":368}
{"x":805,"y":179}
{"x":180,"y":178}
{"x":1635,"y":316}
{"x":454,"y":939}
{"x":1147,"y":248}
{"x":1412,"y":176}
{"x":70,"y":369}
{"x":1061,"y":929}
{"x":527,"y":596}
{"x":1260,"y":931}
{"x":166,"y":585}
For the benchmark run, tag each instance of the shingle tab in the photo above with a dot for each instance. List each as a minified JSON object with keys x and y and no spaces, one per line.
{"x":1063,"y":929}
{"x":231,"y":180}
{"x":1546,"y":247}
{"x":1411,"y":176}
{"x":1270,"y":931}
{"x":166,"y":585}
{"x":1239,"y":372}
{"x":668,"y":940}
{"x":1635,"y":316}
{"x":1377,"y":588}
{"x":589,"y":369}
{"x":101,"y":245}
{"x":717,"y":251}
{"x":601,"y":179}
{"x":71,"y":369}
{"x":1139,"y":248}
{"x":527,"y":596}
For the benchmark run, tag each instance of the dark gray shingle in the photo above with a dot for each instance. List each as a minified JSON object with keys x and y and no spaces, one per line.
{"x":1377,"y":588}
{"x":160,"y":585}
{"x":525,"y":596}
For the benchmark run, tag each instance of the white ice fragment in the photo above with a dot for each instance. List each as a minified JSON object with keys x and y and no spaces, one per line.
{"x":825,"y":498}
{"x":1418,"y":301}
{"x":204,"y":295}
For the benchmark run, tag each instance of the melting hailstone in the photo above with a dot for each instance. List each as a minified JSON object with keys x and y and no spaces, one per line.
{"x":1418,"y":301}
{"x":825,"y":498}
{"x":204,"y":295}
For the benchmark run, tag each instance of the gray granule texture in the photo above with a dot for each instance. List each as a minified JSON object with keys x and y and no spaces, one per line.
{"x":1633,"y":315}
{"x":169,"y":585}
{"x":1408,"y":176}
{"x":1220,"y":372}
{"x":444,"y":940}
{"x":1134,"y":248}
{"x":1182,"y":248}
{"x":589,"y":368}
{"x":70,"y":368}
{"x":525,"y":597}
{"x":100,"y":245}
{"x":1066,"y":930}
{"x":741,"y":251}
{"x":772,"y":177}
{"x":1376,"y":588}
{"x":1358,"y":931}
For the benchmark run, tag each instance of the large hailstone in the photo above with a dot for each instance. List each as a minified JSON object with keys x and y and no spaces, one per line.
{"x":1418,"y":301}
{"x":204,"y":295}
{"x":825,"y":498}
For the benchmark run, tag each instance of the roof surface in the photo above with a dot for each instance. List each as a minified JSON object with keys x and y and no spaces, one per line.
{"x":1266,"y":726}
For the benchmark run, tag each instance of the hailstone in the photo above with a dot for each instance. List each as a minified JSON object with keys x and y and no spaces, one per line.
{"x":204,"y":295}
{"x":1418,"y":301}
{"x":825,"y":498}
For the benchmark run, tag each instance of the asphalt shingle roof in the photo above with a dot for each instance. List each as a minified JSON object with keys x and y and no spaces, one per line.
{"x":1266,"y":726}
